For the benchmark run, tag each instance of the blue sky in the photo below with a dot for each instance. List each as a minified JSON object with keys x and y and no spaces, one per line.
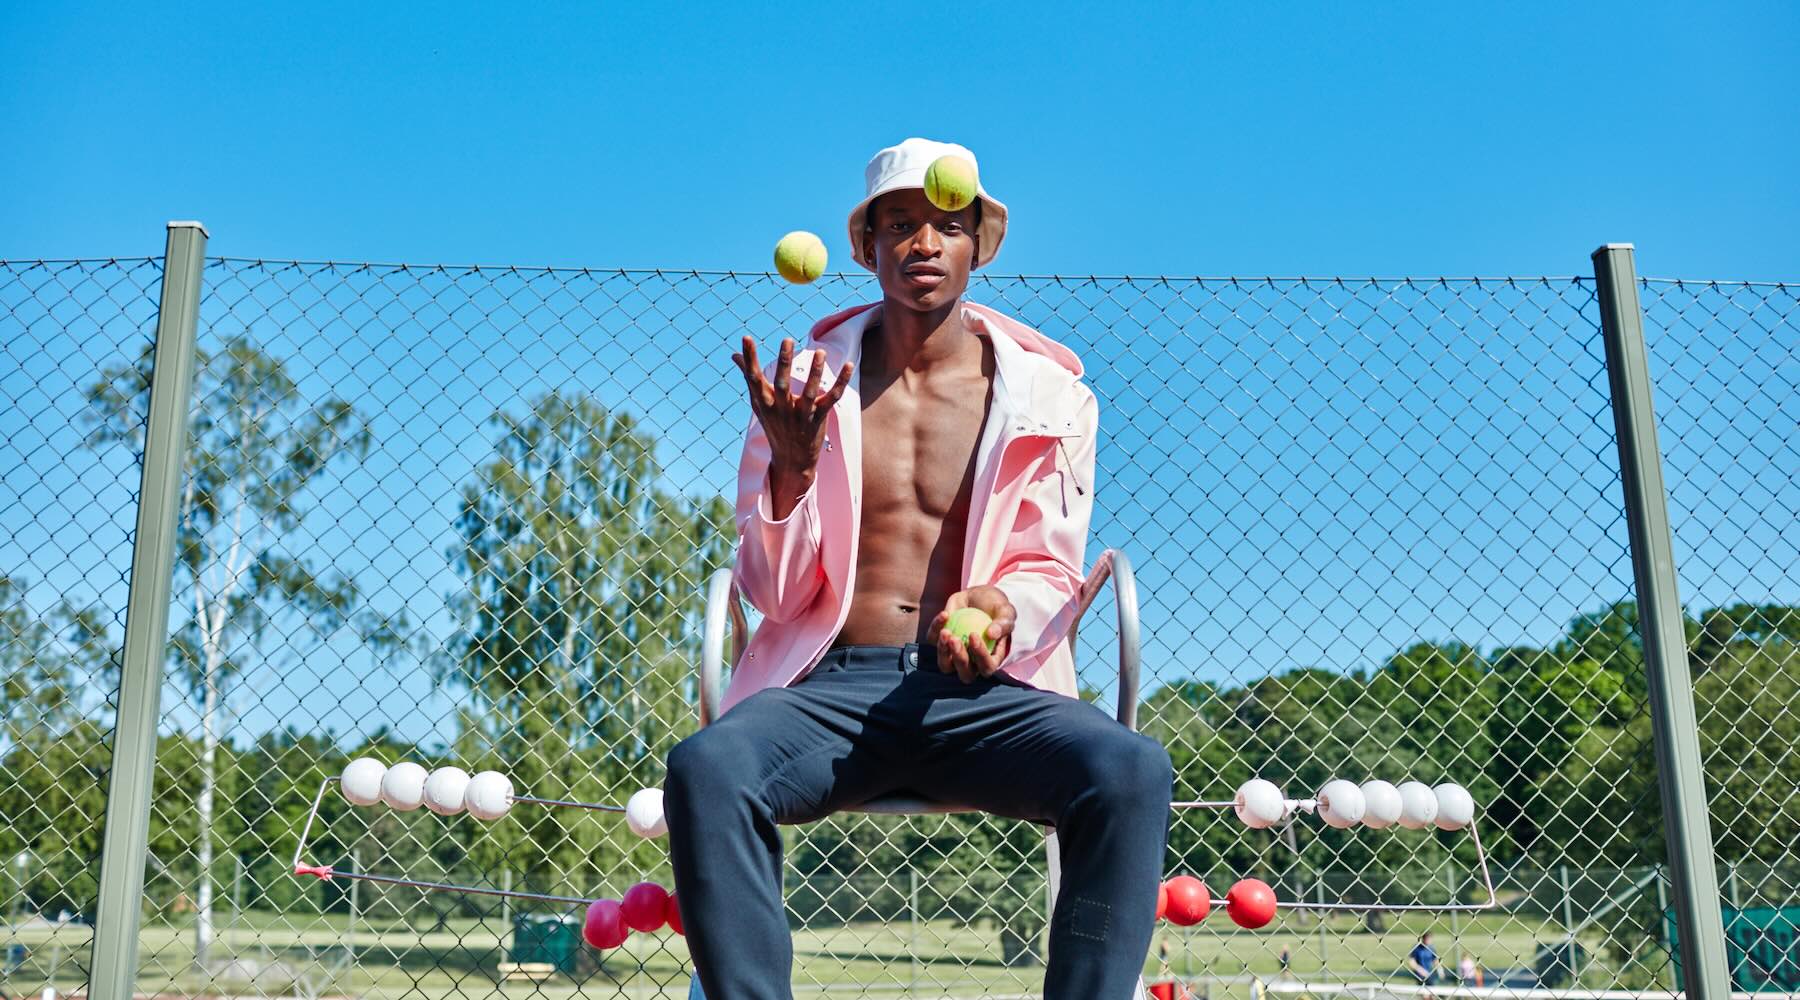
{"x":1420,"y":140}
{"x":1144,"y":139}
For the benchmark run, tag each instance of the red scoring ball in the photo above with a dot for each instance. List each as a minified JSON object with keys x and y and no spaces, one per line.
{"x":605,"y":924}
{"x":1162,"y":901}
{"x":1250,"y":903}
{"x":1189,"y":902}
{"x":643,"y":906}
{"x":672,"y":914}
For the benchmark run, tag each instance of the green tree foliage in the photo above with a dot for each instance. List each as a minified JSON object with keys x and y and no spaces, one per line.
{"x":52,"y":798}
{"x":1746,"y":707}
{"x":52,"y":668}
{"x":1724,"y":635}
{"x":579,"y":619}
{"x":256,"y":447}
{"x":1547,"y":702}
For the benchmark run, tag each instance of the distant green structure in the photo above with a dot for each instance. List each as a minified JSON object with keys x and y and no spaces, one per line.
{"x":1762,"y":944}
{"x":548,"y":939}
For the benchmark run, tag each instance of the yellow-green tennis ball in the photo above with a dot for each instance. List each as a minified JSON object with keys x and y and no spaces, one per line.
{"x":950,"y":182}
{"x":966,"y":623}
{"x":800,"y":257}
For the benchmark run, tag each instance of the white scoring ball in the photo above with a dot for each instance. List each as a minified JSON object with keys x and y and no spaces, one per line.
{"x":1455,"y":806}
{"x":444,"y":790}
{"x":1418,"y":806}
{"x":1381,"y":804}
{"x":1259,"y":804}
{"x":644,"y":813}
{"x":489,"y":795}
{"x":1341,"y":804}
{"x":403,"y":787}
{"x":361,"y":781}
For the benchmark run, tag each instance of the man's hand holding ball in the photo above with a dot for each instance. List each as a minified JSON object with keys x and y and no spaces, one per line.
{"x":974,"y":633}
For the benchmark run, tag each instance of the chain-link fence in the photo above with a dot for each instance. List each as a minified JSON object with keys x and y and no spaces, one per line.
{"x":1729,"y":355}
{"x":464,"y":516}
{"x":68,"y":502}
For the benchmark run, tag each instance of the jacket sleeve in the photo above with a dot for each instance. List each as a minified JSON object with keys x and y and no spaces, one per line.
{"x":778,"y":566}
{"x":1044,"y":582}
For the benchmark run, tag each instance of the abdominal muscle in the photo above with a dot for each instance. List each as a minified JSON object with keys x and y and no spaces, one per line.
{"x":909,"y":565}
{"x":918,"y":474}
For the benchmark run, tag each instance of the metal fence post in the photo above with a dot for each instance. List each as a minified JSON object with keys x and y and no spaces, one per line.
{"x":1699,"y":924}
{"x":1568,"y":919}
{"x":147,"y":618}
{"x":912,"y":910}
{"x":1319,"y":894}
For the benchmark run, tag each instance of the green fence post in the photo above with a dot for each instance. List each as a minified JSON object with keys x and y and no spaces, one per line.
{"x":1699,"y":924}
{"x":147,"y":619}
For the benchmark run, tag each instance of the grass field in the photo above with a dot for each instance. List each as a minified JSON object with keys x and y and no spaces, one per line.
{"x":263,"y":954}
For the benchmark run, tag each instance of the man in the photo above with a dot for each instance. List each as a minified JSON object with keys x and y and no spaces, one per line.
{"x":925,"y":455}
{"x":1422,"y":962}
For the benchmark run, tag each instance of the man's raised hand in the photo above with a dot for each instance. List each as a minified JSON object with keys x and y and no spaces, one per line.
{"x":793,"y":423}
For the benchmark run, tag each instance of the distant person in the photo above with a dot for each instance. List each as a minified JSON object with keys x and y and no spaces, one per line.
{"x":1468,"y":972}
{"x":1422,"y":962}
{"x":1286,"y":963}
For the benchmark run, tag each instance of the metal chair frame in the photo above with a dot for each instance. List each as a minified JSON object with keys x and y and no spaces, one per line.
{"x":724,"y":609}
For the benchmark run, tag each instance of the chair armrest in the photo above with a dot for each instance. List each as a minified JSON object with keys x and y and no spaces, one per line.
{"x":721,"y":610}
{"x":1114,"y":566}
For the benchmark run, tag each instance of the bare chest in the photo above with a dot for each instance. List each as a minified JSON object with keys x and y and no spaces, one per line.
{"x":919,"y":448}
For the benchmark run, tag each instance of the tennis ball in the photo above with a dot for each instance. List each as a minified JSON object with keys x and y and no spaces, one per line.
{"x":966,"y":623}
{"x":950,"y":182}
{"x":800,"y":257}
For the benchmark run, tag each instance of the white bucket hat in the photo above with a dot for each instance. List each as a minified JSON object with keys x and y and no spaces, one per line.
{"x":898,"y":168}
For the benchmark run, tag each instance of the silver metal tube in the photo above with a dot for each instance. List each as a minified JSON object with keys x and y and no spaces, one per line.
{"x":1130,"y":641}
{"x":469,"y":890}
{"x":566,"y":804}
{"x":721,"y":608}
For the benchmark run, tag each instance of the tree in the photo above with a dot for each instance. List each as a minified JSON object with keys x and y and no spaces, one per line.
{"x":45,"y":664}
{"x":283,"y":771}
{"x":579,"y":617}
{"x":1739,"y":629}
{"x":1748,"y":704}
{"x":1191,"y":719}
{"x":256,"y":446}
{"x":52,"y":796}
{"x":51,"y":756}
{"x":1745,"y":704}
{"x":1545,"y":705}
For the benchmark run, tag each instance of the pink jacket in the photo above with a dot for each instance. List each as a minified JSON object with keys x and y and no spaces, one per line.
{"x":1028,"y":522}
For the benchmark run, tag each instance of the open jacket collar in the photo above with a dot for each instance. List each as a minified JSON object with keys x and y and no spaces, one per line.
{"x":1033,"y":393}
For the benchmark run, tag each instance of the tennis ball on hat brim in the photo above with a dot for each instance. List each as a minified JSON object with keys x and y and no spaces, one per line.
{"x":800,"y":257}
{"x":950,"y":182}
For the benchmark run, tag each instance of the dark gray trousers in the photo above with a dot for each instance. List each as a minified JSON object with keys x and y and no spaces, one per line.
{"x":868,"y":721}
